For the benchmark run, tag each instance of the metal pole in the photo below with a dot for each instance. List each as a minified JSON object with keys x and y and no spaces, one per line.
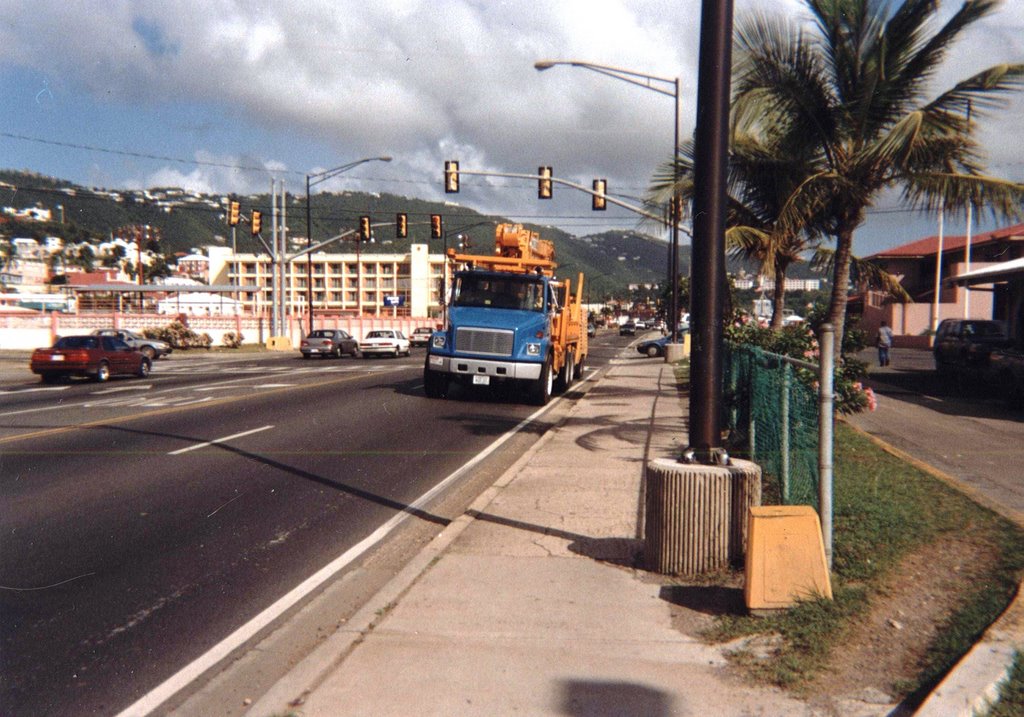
{"x":286,"y":285}
{"x":674,"y":252}
{"x":274,"y":321}
{"x":826,"y":416}
{"x":938,"y":268}
{"x":707,"y":285}
{"x":309,"y":258}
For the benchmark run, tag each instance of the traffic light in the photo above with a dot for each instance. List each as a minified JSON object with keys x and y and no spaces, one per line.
{"x":435,"y":226}
{"x":233,"y":211}
{"x":401,"y":226}
{"x":600,"y":187}
{"x":364,"y":228}
{"x":451,"y":177}
{"x":676,"y":210}
{"x":544,"y":184}
{"x":257,"y":222}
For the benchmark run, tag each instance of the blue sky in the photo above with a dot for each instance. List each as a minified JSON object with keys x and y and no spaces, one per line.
{"x":247,"y":91}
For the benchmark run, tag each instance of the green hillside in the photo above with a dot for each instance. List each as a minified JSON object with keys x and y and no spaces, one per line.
{"x":611,"y":261}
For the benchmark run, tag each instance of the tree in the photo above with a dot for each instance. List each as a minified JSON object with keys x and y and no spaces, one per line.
{"x":852,"y":89}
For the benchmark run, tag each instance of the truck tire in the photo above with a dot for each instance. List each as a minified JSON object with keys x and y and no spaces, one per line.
{"x":435,"y":384}
{"x":540,"y":392}
{"x":568,"y":373}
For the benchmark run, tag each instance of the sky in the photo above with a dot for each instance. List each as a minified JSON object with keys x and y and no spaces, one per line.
{"x":225,"y":96}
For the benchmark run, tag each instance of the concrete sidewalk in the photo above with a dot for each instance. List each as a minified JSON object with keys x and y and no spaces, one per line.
{"x":530,"y":603}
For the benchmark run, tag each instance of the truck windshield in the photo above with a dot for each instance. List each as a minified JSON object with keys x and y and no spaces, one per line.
{"x":500,"y":292}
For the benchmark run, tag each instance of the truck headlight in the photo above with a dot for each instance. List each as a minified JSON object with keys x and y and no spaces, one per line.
{"x":533,"y":349}
{"x":438,"y":341}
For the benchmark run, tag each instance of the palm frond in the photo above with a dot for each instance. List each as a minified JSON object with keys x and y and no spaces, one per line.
{"x":863,"y":273}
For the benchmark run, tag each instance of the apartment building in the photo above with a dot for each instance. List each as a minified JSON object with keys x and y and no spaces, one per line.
{"x":353,"y":284}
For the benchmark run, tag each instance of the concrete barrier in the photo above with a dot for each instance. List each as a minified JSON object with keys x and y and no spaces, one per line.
{"x":696,"y":515}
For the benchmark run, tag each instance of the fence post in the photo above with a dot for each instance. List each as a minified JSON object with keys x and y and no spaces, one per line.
{"x":787,"y":372}
{"x":825,"y":420}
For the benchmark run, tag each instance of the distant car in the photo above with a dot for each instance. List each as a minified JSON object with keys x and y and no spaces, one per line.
{"x":333,"y":343}
{"x":150,"y":348}
{"x":627,"y":329}
{"x":383,"y":342}
{"x":421,"y":336}
{"x":653,"y":347}
{"x":964,"y":346}
{"x":97,"y":357}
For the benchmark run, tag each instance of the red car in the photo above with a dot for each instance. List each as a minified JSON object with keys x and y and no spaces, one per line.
{"x":98,"y":357}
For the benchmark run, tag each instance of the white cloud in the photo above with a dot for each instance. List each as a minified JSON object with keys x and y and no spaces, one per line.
{"x":422,"y":80}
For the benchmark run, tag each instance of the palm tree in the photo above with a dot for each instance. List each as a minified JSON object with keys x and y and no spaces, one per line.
{"x":852,"y":89}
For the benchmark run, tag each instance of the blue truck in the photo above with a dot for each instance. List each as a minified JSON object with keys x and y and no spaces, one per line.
{"x":510,"y":322}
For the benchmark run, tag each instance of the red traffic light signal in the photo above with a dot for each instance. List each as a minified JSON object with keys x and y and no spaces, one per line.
{"x":544,"y":186}
{"x":435,"y":226}
{"x":364,"y":228}
{"x":233,"y":214}
{"x":451,"y":177}
{"x":256,"y":222}
{"x":401,"y":226}
{"x":600,"y":188}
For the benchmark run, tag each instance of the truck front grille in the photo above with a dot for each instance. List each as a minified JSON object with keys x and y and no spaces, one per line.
{"x":484,"y":341}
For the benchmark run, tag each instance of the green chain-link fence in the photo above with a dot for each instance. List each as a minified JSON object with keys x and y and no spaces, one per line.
{"x":774,"y":412}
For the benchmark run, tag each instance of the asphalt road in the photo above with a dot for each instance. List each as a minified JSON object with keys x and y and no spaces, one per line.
{"x":143,"y":520}
{"x":965,"y":431}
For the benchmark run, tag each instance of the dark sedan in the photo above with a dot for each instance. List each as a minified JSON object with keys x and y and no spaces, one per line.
{"x":329,"y":343}
{"x":98,"y":357}
{"x":653,"y":347}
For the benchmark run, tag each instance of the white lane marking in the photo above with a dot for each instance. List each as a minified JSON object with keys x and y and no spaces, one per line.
{"x":37,"y":388}
{"x":120,"y":389}
{"x":218,"y":440}
{"x":167,"y":689}
{"x":274,"y":385}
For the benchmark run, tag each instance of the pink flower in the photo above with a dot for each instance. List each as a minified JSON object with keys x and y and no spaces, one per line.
{"x":872,"y":399}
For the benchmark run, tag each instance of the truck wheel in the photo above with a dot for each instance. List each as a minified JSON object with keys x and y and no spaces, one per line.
{"x":567,"y":374}
{"x":542,"y":387}
{"x":435,"y":384}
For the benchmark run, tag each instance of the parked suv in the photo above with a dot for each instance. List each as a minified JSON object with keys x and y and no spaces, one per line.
{"x":627,"y":329}
{"x":963,"y":346}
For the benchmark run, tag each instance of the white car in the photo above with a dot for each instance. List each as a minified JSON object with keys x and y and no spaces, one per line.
{"x":382,"y":342}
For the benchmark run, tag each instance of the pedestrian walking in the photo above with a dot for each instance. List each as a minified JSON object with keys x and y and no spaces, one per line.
{"x":884,"y":343}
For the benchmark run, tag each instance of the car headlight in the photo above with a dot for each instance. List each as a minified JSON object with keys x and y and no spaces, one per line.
{"x":533,"y":349}
{"x":438,"y":341}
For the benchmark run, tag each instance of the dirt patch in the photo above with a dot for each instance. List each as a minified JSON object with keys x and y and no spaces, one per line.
{"x":882,"y":653}
{"x":886,"y":650}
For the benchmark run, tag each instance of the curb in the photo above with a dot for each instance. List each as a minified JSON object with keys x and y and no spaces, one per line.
{"x":304,"y":678}
{"x":973,"y":684}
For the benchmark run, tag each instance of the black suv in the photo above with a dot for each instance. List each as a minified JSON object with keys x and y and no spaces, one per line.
{"x":964,"y":345}
{"x":627,"y":329}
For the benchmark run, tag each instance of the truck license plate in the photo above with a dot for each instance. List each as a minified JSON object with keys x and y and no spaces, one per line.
{"x":481,"y":380}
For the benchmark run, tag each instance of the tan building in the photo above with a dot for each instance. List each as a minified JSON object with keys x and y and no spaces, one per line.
{"x":342,"y":284}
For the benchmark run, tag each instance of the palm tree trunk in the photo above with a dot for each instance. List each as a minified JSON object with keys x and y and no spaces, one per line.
{"x":778,"y":298}
{"x":840,"y":287}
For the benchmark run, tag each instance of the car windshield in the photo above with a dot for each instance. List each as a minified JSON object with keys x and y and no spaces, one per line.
{"x":500,"y":292}
{"x":983,"y":328}
{"x":76,"y":342}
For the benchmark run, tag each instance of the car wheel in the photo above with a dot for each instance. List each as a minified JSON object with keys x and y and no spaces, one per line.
{"x":50,"y":377}
{"x":148,"y":352}
{"x":103,"y":372}
{"x":338,"y":353}
{"x":144,"y":367}
{"x":305,"y":356}
{"x":652,"y":351}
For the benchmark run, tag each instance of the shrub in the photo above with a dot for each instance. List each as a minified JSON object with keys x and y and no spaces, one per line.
{"x":232,"y":340}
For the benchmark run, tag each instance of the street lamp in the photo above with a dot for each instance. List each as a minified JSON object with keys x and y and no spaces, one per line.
{"x":668,"y":86}
{"x":312,"y":180}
